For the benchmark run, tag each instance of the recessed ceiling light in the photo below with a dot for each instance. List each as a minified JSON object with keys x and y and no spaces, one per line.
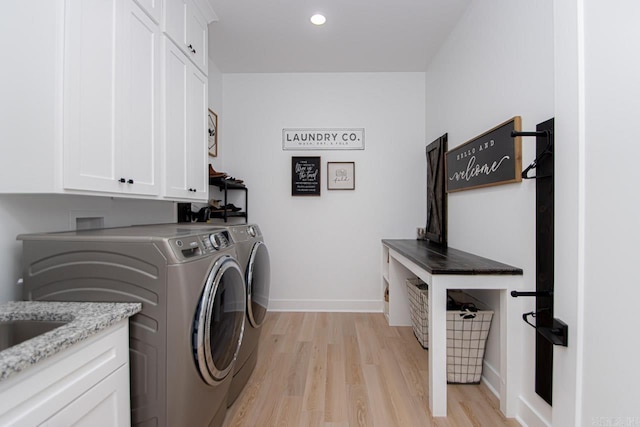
{"x":318,"y":19}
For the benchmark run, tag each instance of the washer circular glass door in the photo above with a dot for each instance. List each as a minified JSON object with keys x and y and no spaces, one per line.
{"x":258,"y":284}
{"x":219,"y":322}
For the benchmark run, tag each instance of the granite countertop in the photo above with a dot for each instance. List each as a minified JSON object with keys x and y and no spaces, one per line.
{"x":446,"y":260}
{"x":85,"y":319}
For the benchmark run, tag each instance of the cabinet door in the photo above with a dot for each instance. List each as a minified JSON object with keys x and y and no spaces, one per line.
{"x":185,"y":158}
{"x":141,"y":110}
{"x":197,"y":37}
{"x":197,"y":133}
{"x":106,"y":403}
{"x":187,"y":27}
{"x":176,"y":70}
{"x":111,"y":98}
{"x":152,"y":7}
{"x":91,"y":95}
{"x":175,"y":21}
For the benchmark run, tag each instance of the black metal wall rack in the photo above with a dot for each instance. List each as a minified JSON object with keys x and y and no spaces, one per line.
{"x":550,"y":331}
{"x":225,"y":186}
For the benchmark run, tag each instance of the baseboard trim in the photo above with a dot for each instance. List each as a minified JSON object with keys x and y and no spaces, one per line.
{"x":359,"y":306}
{"x":491,"y":378}
{"x":529,"y":416}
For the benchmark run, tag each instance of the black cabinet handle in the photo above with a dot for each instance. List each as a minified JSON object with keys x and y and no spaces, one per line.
{"x":122,"y":180}
{"x":130,"y":181}
{"x":191,"y":48}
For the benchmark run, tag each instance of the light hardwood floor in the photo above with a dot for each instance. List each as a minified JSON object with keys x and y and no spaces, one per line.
{"x":349,"y":369}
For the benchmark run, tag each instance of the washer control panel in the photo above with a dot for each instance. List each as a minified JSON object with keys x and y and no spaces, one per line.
{"x":189,"y":247}
{"x":245,"y":233}
{"x":216,"y":241}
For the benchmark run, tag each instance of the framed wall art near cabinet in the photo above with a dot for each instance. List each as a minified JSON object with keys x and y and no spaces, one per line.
{"x":341,"y":175}
{"x":213,"y":134}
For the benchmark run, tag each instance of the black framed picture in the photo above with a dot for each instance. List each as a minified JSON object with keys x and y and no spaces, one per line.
{"x":305,"y":176}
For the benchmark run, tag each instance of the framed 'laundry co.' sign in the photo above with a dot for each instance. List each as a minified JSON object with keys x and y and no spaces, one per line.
{"x":323,"y":139}
{"x":493,"y":158}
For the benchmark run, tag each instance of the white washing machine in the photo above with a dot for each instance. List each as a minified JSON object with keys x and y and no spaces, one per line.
{"x":253,"y":257}
{"x":184,"y":342}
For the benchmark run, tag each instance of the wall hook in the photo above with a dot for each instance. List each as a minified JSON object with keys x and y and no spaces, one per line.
{"x":557,"y":334}
{"x":525,"y":316}
{"x":548,"y":150}
{"x":516,"y":294}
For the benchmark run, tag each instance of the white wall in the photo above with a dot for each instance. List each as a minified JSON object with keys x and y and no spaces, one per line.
{"x":598,"y":101}
{"x":43,"y":213}
{"x":326,"y":251}
{"x":497,"y":63}
{"x":612,"y":210}
{"x":569,"y":207}
{"x":215,"y":88}
{"x":215,"y":104}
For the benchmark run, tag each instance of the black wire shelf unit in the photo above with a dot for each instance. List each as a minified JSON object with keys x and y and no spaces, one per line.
{"x":225,"y":186}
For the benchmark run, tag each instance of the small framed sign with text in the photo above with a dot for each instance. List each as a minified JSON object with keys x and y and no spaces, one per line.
{"x":341,"y":175}
{"x":305,"y":176}
{"x":493,"y":158}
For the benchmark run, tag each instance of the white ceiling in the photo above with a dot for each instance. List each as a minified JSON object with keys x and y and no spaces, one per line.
{"x":275,"y":36}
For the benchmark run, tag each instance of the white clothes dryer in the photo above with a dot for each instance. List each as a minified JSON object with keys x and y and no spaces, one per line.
{"x":184,"y":342}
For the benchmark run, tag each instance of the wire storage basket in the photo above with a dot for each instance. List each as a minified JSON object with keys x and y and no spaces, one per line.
{"x":467,"y":331}
{"x":418,"y":292}
{"x":468,"y":324}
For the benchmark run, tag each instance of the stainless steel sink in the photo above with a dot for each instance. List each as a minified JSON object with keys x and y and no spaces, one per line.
{"x":13,"y":332}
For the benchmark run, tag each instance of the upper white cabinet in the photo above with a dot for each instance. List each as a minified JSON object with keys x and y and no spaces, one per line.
{"x":112,"y":98}
{"x":185,"y":127}
{"x":186,"y":25}
{"x":83,"y":98}
{"x":153,"y":9}
{"x":92,"y":95}
{"x":197,"y":165}
{"x":141,"y":125}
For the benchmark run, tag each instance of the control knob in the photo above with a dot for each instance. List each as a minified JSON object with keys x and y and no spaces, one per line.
{"x":215,"y":241}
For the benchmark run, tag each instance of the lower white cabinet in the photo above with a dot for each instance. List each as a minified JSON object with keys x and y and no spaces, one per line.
{"x":84,"y":385}
{"x":185,"y":161}
{"x":104,"y":404}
